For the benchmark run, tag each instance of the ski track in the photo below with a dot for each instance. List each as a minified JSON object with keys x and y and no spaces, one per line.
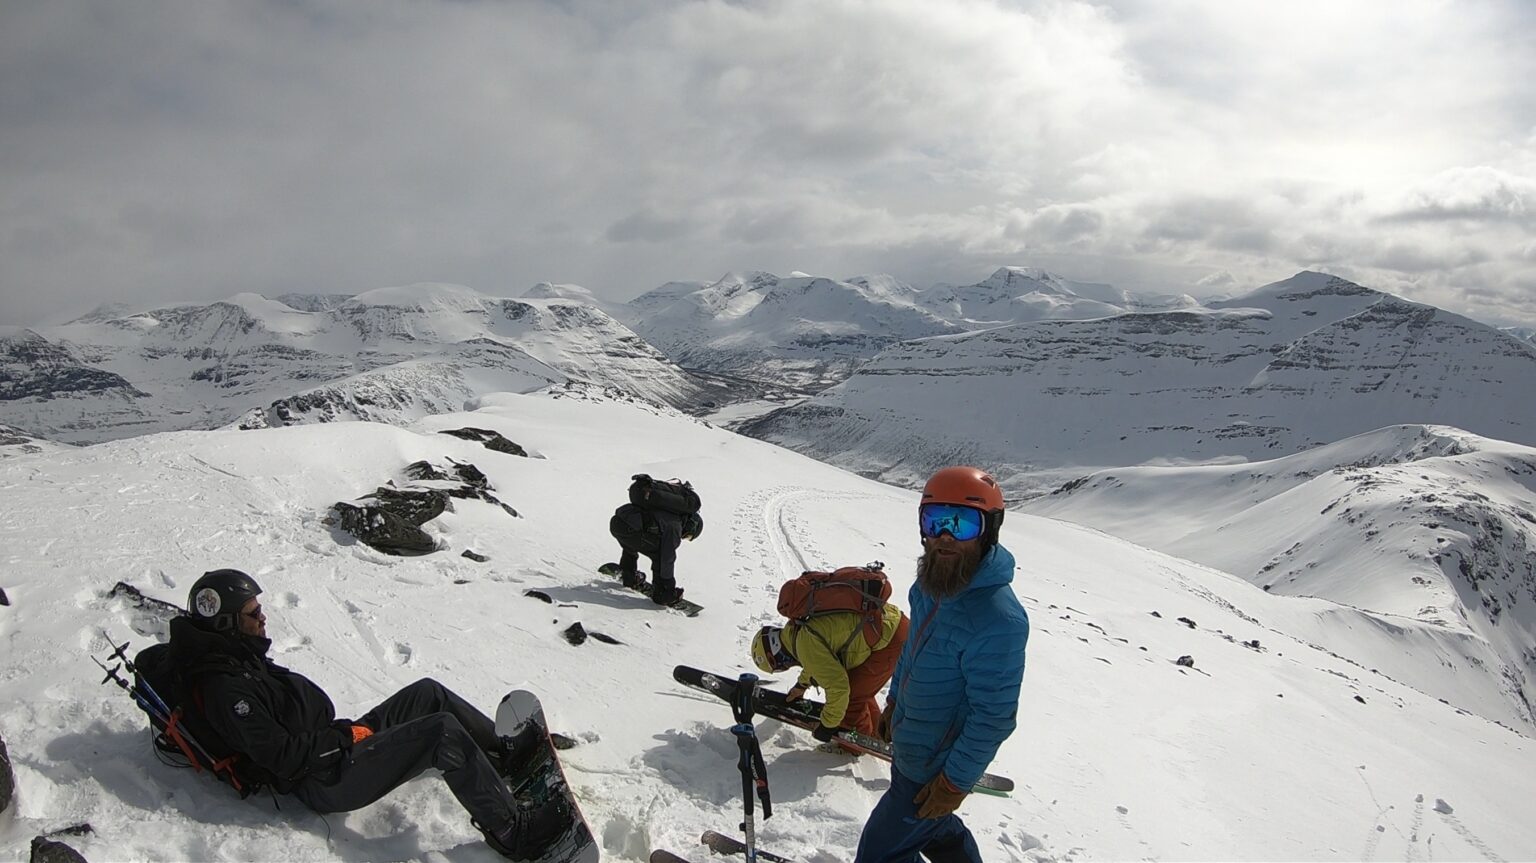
{"x":1468,"y":836}
{"x":1412,"y":853}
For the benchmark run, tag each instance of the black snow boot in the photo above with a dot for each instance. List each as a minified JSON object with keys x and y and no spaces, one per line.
{"x":666,"y":595}
{"x":520,"y":754}
{"x":532,"y":831}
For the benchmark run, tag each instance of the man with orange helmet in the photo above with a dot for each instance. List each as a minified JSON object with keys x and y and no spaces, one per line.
{"x":955,"y":694}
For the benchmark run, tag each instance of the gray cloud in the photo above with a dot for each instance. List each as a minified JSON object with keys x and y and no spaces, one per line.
{"x":168,"y":150}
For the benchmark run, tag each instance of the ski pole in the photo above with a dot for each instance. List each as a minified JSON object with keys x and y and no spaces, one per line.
{"x":750,"y":764}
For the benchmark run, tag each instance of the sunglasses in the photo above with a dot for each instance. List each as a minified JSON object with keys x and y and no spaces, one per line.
{"x":964,"y":523}
{"x":254,"y":614}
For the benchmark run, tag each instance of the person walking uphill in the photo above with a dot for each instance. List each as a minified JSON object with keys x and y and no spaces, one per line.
{"x":954,"y":698}
{"x":658,"y":517}
{"x":285,"y":727}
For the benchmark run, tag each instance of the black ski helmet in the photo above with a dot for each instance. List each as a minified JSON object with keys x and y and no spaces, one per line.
{"x":217,"y":597}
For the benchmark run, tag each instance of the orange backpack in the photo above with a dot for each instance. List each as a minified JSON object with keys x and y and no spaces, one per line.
{"x":861,"y":589}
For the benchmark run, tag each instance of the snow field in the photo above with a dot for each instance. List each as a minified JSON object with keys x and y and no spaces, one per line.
{"x":1120,"y":753}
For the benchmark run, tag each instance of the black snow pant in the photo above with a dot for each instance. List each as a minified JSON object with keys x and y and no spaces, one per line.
{"x":423,"y":725}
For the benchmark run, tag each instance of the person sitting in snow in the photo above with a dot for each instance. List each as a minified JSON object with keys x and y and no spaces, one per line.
{"x":833,"y":654}
{"x":285,"y":726}
{"x":955,"y":696}
{"x":659,"y":516}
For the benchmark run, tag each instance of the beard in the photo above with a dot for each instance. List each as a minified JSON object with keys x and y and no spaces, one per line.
{"x":945,"y":575}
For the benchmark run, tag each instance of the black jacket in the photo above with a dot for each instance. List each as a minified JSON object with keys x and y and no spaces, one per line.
{"x":281,"y":721}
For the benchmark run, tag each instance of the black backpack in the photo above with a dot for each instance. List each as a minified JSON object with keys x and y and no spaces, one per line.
{"x":184,"y":738}
{"x":677,"y":497}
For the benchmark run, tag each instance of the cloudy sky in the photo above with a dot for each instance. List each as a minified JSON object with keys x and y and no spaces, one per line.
{"x":192,"y":150}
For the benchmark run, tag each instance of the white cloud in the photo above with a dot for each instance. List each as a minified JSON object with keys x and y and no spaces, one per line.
{"x":171,"y":150}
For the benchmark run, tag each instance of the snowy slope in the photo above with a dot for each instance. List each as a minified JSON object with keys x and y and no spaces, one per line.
{"x":1429,"y":527}
{"x":392,"y":354}
{"x":1298,"y":364}
{"x":1274,"y":750}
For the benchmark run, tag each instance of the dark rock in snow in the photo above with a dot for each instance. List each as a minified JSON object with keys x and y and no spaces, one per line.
{"x":606,"y":639}
{"x":148,"y":603}
{"x":540,"y":595}
{"x":382,"y":530}
{"x":416,"y":505}
{"x":45,"y":850}
{"x":423,"y":470}
{"x":1186,"y":661}
{"x":491,"y":440}
{"x":575,"y":633}
{"x":477,"y":558}
{"x":1187,"y":622}
{"x":7,"y":778}
{"x":1359,"y":699}
{"x":4,"y":600}
{"x":471,"y":475}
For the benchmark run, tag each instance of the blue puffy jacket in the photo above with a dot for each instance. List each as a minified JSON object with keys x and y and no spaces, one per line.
{"x":957,"y":683}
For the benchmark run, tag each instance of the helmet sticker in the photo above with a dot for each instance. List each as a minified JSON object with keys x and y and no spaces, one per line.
{"x":207,"y":602}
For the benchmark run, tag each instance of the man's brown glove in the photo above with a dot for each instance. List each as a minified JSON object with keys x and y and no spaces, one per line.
{"x":794,"y":694}
{"x":883,"y":728}
{"x":938,"y":798}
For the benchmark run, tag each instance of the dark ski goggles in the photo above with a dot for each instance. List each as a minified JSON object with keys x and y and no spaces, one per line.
{"x":964,"y":523}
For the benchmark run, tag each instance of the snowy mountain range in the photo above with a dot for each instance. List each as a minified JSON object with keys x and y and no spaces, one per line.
{"x":392,"y":355}
{"x":1294,"y":365}
{"x":811,"y":332}
{"x":1170,"y":711}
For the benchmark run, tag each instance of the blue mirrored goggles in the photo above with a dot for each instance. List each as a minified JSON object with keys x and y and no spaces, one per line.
{"x":964,"y":523}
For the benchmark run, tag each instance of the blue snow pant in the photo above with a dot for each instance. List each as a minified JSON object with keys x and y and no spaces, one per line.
{"x":894,"y":833}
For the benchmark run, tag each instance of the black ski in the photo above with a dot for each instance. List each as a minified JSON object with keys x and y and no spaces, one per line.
{"x":660,"y":856}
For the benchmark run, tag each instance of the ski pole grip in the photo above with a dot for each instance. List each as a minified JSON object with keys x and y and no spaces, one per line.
{"x":743,"y":707}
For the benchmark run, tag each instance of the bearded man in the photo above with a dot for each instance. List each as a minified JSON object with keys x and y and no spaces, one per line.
{"x":954,"y":697}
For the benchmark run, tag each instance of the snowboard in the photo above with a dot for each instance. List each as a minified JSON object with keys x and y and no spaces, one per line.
{"x":660,"y":856}
{"x":686,"y":606}
{"x":806,"y":714}
{"x":543,"y":778}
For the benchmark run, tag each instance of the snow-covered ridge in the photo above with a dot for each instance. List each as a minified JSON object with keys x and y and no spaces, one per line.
{"x":1428,"y":529}
{"x":390,"y":355}
{"x":1295,"y":365}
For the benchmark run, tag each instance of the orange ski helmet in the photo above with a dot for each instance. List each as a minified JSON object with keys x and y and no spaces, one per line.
{"x":966,"y":486}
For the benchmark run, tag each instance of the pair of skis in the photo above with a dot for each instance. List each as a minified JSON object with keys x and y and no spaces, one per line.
{"x":805,"y":714}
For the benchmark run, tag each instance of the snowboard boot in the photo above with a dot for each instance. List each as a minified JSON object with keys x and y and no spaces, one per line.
{"x":531,"y":831}
{"x":631,"y":579}
{"x":519,"y":755}
{"x":666,"y":595}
